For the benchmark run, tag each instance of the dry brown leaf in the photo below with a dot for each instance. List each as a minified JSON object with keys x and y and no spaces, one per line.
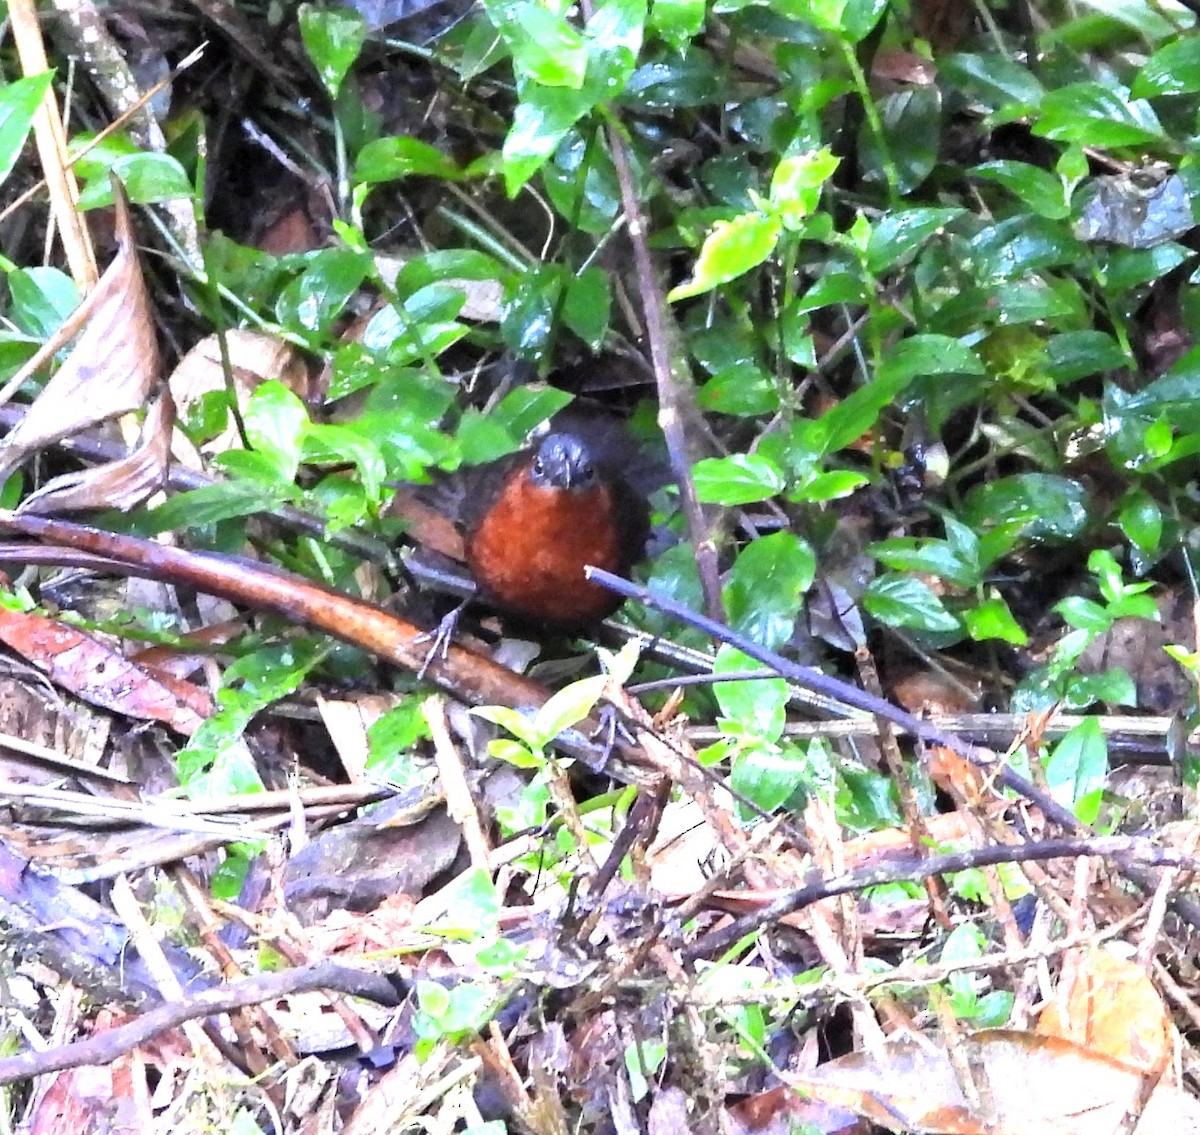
{"x":1110,"y":1006}
{"x":117,"y":484}
{"x":1034,"y":1085}
{"x":92,"y":671}
{"x":113,"y":366}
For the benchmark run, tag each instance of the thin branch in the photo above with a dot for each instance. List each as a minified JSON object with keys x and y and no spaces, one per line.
{"x":111,"y":1045}
{"x":909,"y":869}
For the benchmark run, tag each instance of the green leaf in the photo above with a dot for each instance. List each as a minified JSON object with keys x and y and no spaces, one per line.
{"x":1049,"y":507}
{"x":19,"y":101}
{"x":587,"y":307}
{"x":527,"y":322}
{"x":540,"y":122}
{"x":1077,"y":767}
{"x":912,"y":126}
{"x":276,"y":421}
{"x":545,"y":48}
{"x":1097,"y":114}
{"x":767,"y":776}
{"x":766,"y":585}
{"x":758,"y":705}
{"x":1084,"y":614}
{"x":1173,"y":69}
{"x":677,"y":21}
{"x":614,"y":35}
{"x":796,"y":184}
{"x":41,"y":299}
{"x":922,"y":355}
{"x":333,"y":38}
{"x":147,"y":178}
{"x":1038,"y":189}
{"x":1077,"y":354}
{"x":744,"y":389}
{"x":822,"y":487}
{"x":327,"y":444}
{"x":996,"y":80}
{"x":897,"y":237}
{"x":567,"y":707}
{"x":992,"y":619}
{"x":518,"y":724}
{"x":732,"y":248}
{"x":398,"y":156}
{"x":743,"y":478}
{"x":833,"y":288}
{"x":933,"y":557}
{"x":901,"y":601}
{"x":1021,"y":245}
{"x":318,"y":296}
{"x":212,"y":504}
{"x":1141,"y":520}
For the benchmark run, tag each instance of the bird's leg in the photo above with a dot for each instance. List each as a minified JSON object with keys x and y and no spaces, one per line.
{"x":442,"y":636}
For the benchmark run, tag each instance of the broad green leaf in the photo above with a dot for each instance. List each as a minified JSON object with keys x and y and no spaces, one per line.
{"x":1097,"y":114}
{"x":333,"y":38}
{"x":1141,"y":519}
{"x":568,"y":706}
{"x":42,"y":298}
{"x":545,"y":48}
{"x":1049,"y":506}
{"x":1037,"y":188}
{"x":796,"y":184}
{"x":743,"y":478}
{"x":766,"y":775}
{"x":730,"y":249}
{"x":19,"y":101}
{"x":765,"y":587}
{"x":1077,"y":767}
{"x":992,"y":619}
{"x":901,"y":601}
{"x":398,"y":156}
{"x":996,"y":80}
{"x":147,"y":178}
{"x":541,"y":120}
{"x":318,"y":296}
{"x":758,"y":705}
{"x":897,"y":236}
{"x":1173,"y":69}
{"x":677,"y":22}
{"x":276,"y":421}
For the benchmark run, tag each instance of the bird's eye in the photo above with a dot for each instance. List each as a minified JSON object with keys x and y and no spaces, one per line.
{"x":537,"y":467}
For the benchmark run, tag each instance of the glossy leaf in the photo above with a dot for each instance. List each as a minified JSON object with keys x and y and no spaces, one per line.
{"x":398,"y":156}
{"x":901,"y":601}
{"x":743,"y":478}
{"x":765,"y":587}
{"x":1077,"y":767}
{"x":1173,"y":69}
{"x":731,"y":249}
{"x":333,"y":38}
{"x":992,"y":619}
{"x":757,"y":705}
{"x":1050,"y":507}
{"x":1097,"y":114}
{"x":900,"y":234}
{"x":19,"y":101}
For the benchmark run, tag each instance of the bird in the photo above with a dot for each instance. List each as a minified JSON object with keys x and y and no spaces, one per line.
{"x":531,"y":521}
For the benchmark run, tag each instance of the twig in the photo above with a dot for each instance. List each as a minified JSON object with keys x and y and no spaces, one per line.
{"x":110,"y":1046}
{"x":907,"y":869}
{"x":813,"y":679}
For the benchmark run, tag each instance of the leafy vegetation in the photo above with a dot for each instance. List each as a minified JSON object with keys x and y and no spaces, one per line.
{"x":926,"y":271}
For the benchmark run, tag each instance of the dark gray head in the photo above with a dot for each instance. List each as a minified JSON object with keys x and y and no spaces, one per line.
{"x":562,"y":461}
